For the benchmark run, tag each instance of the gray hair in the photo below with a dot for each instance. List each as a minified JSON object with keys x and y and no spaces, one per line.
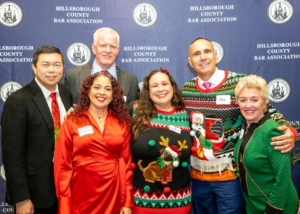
{"x":106,"y":30}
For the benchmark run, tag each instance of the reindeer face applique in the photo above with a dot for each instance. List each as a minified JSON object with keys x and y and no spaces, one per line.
{"x":161,"y":169}
{"x":165,"y":154}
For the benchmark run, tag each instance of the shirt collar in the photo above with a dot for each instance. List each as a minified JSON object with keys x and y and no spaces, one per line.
{"x":215,"y":79}
{"x":112,"y":70}
{"x":45,"y":91}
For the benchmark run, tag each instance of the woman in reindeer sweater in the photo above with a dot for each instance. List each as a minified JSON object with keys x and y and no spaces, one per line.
{"x":161,"y":148}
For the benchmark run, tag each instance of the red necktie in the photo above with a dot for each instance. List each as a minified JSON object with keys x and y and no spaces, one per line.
{"x":207,"y":85}
{"x":55,"y":111}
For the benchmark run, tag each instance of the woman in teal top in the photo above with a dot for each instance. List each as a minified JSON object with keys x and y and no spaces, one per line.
{"x":265,"y":173}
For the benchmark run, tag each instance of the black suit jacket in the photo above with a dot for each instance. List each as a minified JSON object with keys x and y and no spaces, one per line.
{"x":28,"y":145}
{"x":127,"y":80}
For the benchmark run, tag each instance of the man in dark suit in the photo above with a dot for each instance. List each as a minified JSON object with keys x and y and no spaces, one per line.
{"x":28,"y":135}
{"x":106,"y":49}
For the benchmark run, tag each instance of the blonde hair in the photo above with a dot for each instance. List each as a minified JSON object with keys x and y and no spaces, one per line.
{"x":106,"y":30}
{"x":253,"y":81}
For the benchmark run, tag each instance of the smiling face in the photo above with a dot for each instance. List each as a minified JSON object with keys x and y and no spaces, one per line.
{"x":251,"y":104}
{"x":203,"y":58}
{"x":48,"y":70}
{"x":106,"y":49}
{"x":100,"y":93}
{"x":161,"y":91}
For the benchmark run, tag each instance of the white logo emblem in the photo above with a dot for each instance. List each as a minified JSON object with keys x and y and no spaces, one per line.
{"x":11,"y":14}
{"x":78,"y":53}
{"x":219,"y":50}
{"x":279,"y":90}
{"x":144,"y":14}
{"x":2,"y":172}
{"x":280,"y":11}
{"x":8,"y":88}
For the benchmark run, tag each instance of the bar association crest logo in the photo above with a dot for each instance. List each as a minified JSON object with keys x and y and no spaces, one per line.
{"x":11,"y":14}
{"x":78,"y":53}
{"x":144,"y":14}
{"x":280,"y":11}
{"x":8,"y":88}
{"x":279,"y":90}
{"x":219,"y":49}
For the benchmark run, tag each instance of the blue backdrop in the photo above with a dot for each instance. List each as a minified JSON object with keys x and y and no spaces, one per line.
{"x":251,"y":37}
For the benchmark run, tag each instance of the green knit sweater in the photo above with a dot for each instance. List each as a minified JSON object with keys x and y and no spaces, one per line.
{"x":265,"y":173}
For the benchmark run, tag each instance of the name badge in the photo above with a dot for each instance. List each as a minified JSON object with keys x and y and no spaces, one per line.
{"x":85,"y":130}
{"x":125,"y":98}
{"x":223,"y":99}
{"x":175,"y":129}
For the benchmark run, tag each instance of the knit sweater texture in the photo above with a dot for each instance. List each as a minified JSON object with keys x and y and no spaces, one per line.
{"x":265,"y":173}
{"x":220,"y":166}
{"x":161,"y":181}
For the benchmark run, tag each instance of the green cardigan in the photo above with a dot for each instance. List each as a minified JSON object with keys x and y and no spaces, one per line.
{"x":265,"y":173}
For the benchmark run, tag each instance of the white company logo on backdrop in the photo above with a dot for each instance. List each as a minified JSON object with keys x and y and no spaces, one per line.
{"x":11,"y":14}
{"x":12,"y":54}
{"x":279,"y":90}
{"x":2,"y":172}
{"x":77,"y":15}
{"x":212,"y":13}
{"x":280,"y":11}
{"x":219,"y":49}
{"x":78,"y":53}
{"x":144,"y":14}
{"x":8,"y":88}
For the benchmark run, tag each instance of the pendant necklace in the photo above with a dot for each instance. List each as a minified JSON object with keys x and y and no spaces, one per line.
{"x":99,"y":118}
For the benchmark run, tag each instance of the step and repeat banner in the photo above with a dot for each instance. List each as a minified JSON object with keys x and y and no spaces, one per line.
{"x":251,"y":37}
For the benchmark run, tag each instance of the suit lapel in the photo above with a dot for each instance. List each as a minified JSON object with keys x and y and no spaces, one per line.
{"x":86,"y":71}
{"x":42,"y":105}
{"x":64,"y":95}
{"x":122,"y":79}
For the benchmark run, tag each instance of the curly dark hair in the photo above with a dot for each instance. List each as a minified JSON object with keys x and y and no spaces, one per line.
{"x":117,"y":105}
{"x":145,"y":110}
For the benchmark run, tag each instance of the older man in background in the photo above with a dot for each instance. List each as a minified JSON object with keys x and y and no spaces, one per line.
{"x":106,"y":49}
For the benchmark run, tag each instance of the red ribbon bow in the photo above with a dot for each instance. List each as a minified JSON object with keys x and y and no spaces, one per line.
{"x":164,"y":70}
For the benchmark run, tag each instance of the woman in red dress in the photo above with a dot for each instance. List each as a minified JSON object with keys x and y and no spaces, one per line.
{"x":92,"y":156}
